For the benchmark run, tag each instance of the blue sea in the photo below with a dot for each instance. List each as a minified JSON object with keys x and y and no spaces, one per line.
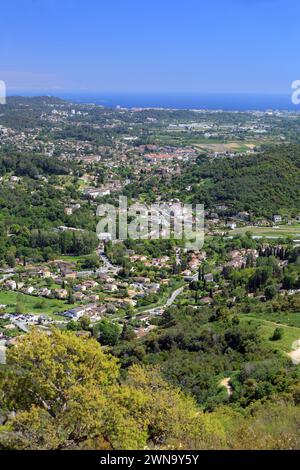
{"x":216,"y":101}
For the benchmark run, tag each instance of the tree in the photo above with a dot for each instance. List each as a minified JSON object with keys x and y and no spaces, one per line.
{"x":128,"y":333}
{"x":107,"y":332}
{"x":66,"y":394}
{"x":40,"y":304}
{"x":91,"y":262}
{"x":84,"y":322}
{"x":65,"y":380}
{"x":10,"y":259}
{"x":72,"y":325}
{"x":270,"y":292}
{"x":71,"y":298}
{"x":19,"y":309}
{"x":278,"y":334}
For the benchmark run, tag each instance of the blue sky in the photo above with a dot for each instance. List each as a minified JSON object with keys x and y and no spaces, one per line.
{"x":150,"y":45}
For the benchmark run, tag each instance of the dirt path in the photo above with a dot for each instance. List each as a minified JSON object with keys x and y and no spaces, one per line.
{"x":226,"y":383}
{"x":295,"y":353}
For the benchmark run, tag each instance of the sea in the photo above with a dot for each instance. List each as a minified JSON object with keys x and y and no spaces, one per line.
{"x":210,"y":101}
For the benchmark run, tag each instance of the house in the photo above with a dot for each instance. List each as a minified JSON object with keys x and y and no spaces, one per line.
{"x":111,"y":287}
{"x":243,"y":215}
{"x":104,"y":236}
{"x":79,"y":296}
{"x":221,"y":208}
{"x":82,"y":274}
{"x":63,"y":265}
{"x":96,"y":192}
{"x":93,"y":298}
{"x":61,"y":293}
{"x":75,"y":313}
{"x":29,"y":290}
{"x":277,"y":218}
{"x":90,"y":284}
{"x":10,"y":326}
{"x":15,"y":179}
{"x":44,"y":292}
{"x":80,"y":287}
{"x":104,"y":277}
{"x":208,"y":277}
{"x":153,"y":287}
{"x":69,"y":273}
{"x":12,"y":285}
{"x":44,"y":273}
{"x":141,"y":280}
{"x":206,"y":300}
{"x":91,"y":310}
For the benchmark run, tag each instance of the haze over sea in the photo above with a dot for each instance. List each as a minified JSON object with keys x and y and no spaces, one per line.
{"x":229,"y":102}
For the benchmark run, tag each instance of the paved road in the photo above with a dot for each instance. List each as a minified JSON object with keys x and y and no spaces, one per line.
{"x":173,"y":296}
{"x":159,"y":310}
{"x":170,"y":301}
{"x":22,"y":326}
{"x":6,"y":276}
{"x":107,"y":265}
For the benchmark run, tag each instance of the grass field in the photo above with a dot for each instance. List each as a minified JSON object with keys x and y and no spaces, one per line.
{"x":180,"y":138}
{"x":284,"y":318}
{"x":277,"y":231}
{"x":72,"y":259}
{"x":266,"y":330}
{"x":226,"y":146}
{"x":35,"y":305}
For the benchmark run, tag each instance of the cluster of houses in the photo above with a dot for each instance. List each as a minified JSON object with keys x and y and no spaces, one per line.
{"x":111,"y":186}
{"x":93,"y":311}
{"x":240,"y":258}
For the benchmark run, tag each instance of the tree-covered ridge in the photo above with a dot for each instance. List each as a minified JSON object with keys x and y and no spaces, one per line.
{"x":31,"y":165}
{"x":262,"y":183}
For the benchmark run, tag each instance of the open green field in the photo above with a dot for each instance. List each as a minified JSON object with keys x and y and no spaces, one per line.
{"x":71,"y":259}
{"x":35,"y":305}
{"x":284,"y":318}
{"x":266,"y":329}
{"x":182,"y":138}
{"x":276,"y":232}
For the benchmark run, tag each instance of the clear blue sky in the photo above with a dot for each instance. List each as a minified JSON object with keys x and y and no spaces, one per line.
{"x":150,"y":45}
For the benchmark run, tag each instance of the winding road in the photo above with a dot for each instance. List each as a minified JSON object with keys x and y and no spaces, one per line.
{"x":170,"y":300}
{"x":158,"y":310}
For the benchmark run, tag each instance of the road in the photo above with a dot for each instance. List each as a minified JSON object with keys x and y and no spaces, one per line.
{"x":173,"y":296}
{"x":6,"y":276}
{"x":107,"y":265}
{"x":160,"y":309}
{"x":170,"y":300}
{"x":22,"y":326}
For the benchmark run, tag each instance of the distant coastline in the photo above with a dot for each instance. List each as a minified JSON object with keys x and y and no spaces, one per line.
{"x":210,"y":101}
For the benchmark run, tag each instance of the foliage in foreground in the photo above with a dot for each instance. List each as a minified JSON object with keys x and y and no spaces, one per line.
{"x":64,"y":392}
{"x":60,"y":391}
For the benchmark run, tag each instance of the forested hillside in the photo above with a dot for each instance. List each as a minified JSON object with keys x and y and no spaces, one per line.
{"x":262,"y":183}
